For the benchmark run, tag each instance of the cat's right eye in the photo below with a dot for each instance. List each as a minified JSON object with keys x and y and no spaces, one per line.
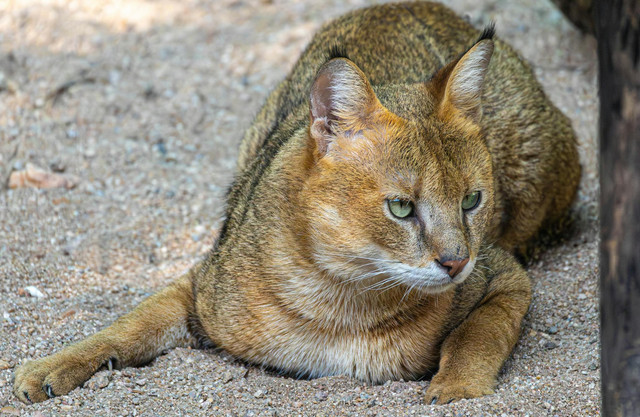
{"x":400,"y":208}
{"x":470,"y":201}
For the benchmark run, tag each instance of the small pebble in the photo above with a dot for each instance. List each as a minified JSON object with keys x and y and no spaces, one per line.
{"x":550,"y":345}
{"x":162,"y":149}
{"x":141,"y":382}
{"x":99,"y":381}
{"x":321,"y":396}
{"x":4,"y":365}
{"x":34,"y":292}
{"x":57,"y":166}
{"x":12,"y":86}
{"x":68,"y":313}
{"x":347,"y":399}
{"x":259,"y":394}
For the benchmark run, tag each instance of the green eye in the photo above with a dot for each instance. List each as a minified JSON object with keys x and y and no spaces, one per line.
{"x":470,"y":201}
{"x":400,"y":208}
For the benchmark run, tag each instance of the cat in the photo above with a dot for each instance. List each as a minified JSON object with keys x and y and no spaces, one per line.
{"x":370,"y":231}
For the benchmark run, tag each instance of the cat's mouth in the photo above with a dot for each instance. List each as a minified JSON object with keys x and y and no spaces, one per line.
{"x":430,"y":278}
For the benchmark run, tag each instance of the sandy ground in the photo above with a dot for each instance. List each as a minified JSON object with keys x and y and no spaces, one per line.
{"x":145,"y":101}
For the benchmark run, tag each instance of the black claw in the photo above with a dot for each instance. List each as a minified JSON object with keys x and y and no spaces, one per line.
{"x":434,"y":400}
{"x":49,"y":391}
{"x":110,"y":364}
{"x":26,"y":395}
{"x":450,"y":401}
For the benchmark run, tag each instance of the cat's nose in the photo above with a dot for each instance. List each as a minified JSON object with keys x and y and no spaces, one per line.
{"x":453,"y":266}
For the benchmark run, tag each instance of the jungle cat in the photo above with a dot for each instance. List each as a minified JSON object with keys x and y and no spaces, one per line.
{"x":380,"y":195}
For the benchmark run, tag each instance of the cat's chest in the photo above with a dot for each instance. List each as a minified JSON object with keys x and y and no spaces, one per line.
{"x":404,"y":348}
{"x":368,"y":357}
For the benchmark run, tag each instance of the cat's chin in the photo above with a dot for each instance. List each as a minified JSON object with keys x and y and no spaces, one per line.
{"x":435,"y":289}
{"x":432,"y":288}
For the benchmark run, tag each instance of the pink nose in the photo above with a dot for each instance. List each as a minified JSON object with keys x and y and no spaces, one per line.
{"x":455,"y":266}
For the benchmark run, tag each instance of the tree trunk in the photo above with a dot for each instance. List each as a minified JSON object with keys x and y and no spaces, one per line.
{"x":618,"y":30}
{"x":580,"y":12}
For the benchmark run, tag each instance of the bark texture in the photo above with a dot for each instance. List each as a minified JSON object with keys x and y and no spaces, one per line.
{"x":580,"y":12}
{"x":618,"y":53}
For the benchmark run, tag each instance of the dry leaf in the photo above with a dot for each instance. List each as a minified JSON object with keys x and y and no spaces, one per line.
{"x":36,"y":177}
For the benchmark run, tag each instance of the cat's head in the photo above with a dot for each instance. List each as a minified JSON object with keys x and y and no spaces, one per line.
{"x":400,"y":193}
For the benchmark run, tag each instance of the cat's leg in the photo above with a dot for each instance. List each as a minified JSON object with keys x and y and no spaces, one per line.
{"x":473,"y":353}
{"x":158,"y":323}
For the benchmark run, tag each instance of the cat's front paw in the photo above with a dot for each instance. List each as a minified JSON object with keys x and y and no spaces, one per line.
{"x":441,"y":391}
{"x":45,"y":378}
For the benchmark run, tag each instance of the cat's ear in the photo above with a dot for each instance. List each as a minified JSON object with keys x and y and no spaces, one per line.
{"x":459,"y":85}
{"x":340,"y":103}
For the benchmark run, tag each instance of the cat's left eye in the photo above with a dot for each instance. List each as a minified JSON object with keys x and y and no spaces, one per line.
{"x":400,"y":208}
{"x":470,"y":201}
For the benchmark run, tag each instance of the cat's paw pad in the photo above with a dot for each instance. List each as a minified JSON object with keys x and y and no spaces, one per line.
{"x":443,"y":393}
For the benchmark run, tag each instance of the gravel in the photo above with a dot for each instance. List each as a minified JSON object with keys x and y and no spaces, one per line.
{"x":145,"y":103}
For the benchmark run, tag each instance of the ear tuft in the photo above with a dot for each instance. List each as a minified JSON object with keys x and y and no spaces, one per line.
{"x":337,"y":51}
{"x":488,"y":32}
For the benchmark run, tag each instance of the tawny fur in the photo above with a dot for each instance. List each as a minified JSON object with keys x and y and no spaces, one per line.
{"x":312,"y":275}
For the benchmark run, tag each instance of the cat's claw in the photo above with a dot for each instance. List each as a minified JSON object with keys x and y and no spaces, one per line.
{"x":434,"y":401}
{"x":49,"y":391}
